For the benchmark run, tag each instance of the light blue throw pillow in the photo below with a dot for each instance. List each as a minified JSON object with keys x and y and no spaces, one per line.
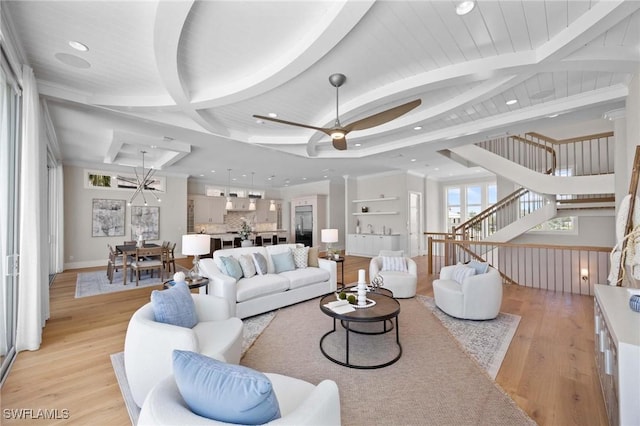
{"x":174,"y":306}
{"x":224,"y":392}
{"x":232,"y":266}
{"x":480,"y":267}
{"x":283,"y":262}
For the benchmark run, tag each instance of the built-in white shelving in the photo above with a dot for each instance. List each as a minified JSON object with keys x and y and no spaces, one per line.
{"x":373,"y":213}
{"x":376,"y":199}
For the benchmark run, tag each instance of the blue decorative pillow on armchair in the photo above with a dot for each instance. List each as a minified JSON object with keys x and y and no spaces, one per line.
{"x":174,"y":306}
{"x":225,"y":392}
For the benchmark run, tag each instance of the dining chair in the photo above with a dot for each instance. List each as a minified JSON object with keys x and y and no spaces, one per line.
{"x":148,"y":259}
{"x":116,"y":262}
{"x":169,"y":258}
{"x":258,"y":240}
{"x":130,"y":243}
{"x":237,"y":242}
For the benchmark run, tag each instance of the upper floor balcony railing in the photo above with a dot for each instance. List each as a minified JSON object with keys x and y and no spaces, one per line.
{"x":581,"y":156}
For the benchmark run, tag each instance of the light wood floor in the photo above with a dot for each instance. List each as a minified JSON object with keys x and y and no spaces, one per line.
{"x":549,"y":369}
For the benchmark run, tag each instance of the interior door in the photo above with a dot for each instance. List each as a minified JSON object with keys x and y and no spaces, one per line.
{"x":415,"y":223}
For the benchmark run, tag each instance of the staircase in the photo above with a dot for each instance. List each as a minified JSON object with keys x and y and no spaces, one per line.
{"x":557,"y":177}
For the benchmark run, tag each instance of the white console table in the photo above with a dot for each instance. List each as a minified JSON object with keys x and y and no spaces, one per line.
{"x":617,"y":351}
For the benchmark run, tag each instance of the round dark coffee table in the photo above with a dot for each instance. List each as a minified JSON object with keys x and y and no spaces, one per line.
{"x":197,"y":283}
{"x":384,"y":311}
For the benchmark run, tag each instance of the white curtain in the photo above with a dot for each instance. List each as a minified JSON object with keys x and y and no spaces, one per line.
{"x":33,"y":290}
{"x":56,"y":218}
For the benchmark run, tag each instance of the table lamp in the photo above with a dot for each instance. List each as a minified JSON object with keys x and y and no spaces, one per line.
{"x":329,"y":236}
{"x":195,"y":245}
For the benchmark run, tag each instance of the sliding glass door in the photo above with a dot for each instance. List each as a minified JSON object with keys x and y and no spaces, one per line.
{"x":9,"y":172}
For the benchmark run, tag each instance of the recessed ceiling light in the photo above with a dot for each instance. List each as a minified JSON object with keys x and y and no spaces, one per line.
{"x":234,"y":179}
{"x":358,"y":144}
{"x":465,"y":7}
{"x":304,"y":178}
{"x":325,"y":176}
{"x":552,"y":115}
{"x":213,"y":171}
{"x":259,"y":121}
{"x":272,"y":115}
{"x":436,"y":169}
{"x":154,"y":146}
{"x":78,"y":46}
{"x":201,"y":175}
{"x":413,"y":160}
{"x":417,"y":128}
{"x":511,"y":101}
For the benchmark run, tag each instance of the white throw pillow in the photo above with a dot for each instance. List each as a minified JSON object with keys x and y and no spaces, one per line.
{"x":246,"y":263}
{"x":301,"y":256}
{"x":394,"y":263}
{"x":460,"y":272}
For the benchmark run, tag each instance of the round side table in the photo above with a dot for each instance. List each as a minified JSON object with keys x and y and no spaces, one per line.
{"x":201,"y":282}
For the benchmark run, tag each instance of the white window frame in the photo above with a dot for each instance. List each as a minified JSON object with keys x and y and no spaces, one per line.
{"x":463,"y":198}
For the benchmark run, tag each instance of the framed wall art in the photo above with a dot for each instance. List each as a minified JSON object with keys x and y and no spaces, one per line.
{"x":145,"y":221}
{"x":107,"y":218}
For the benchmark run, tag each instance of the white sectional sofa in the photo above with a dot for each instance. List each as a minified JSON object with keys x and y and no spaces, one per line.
{"x":263,"y":293}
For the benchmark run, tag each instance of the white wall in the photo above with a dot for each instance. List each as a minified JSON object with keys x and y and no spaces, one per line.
{"x":433,"y":201}
{"x":374,"y":187}
{"x":81,"y":250}
{"x":597,"y":231}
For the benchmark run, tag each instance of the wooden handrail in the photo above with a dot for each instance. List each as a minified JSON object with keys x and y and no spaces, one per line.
{"x":541,"y":266}
{"x":571,"y":140}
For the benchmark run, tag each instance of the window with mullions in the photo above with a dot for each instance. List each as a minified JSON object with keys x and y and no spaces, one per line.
{"x":467,"y":201}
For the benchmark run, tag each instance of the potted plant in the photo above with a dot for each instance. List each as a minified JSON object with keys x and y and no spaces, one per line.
{"x":245,"y":233}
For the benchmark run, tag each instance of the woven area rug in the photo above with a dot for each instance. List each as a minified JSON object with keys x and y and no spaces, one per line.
{"x":252,"y":328}
{"x":96,"y":282}
{"x":290,"y":346}
{"x":486,"y":341}
{"x":434,"y":382}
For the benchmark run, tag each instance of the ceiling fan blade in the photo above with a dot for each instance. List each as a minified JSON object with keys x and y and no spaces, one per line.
{"x":340,"y":144}
{"x":382,"y":117}
{"x":291,"y":123}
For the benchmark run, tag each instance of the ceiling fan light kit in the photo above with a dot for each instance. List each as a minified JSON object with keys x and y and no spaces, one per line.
{"x":338,"y":132}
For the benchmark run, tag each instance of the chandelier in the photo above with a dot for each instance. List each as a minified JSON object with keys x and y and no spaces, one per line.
{"x":143,"y":182}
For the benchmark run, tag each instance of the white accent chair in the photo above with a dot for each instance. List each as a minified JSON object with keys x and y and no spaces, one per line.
{"x":149,"y":345}
{"x":402,"y":284}
{"x":478,"y":297}
{"x":301,"y":403}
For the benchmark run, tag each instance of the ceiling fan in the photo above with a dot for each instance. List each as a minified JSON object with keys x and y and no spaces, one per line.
{"x":339,"y":132}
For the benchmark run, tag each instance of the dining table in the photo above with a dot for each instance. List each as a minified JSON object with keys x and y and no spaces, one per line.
{"x":128,"y":250}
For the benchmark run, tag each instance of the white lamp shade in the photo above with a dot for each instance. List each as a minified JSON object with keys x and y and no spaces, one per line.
{"x":195,"y":244}
{"x":329,"y":235}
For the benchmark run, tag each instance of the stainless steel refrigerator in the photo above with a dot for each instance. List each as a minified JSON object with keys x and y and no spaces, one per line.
{"x":304,"y":225}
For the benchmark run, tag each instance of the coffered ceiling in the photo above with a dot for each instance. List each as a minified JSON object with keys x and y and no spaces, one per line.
{"x":182,"y":79}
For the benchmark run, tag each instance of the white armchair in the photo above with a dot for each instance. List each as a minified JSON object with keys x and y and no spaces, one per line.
{"x":478,"y":297}
{"x":301,"y":403}
{"x":402,"y":284}
{"x":149,"y":344}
